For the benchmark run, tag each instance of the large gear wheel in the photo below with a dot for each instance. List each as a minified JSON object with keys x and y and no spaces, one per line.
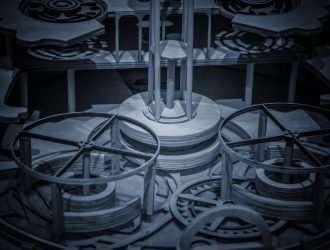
{"x":204,"y":194}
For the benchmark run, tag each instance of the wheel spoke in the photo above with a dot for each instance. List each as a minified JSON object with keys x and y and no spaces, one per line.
{"x":307,"y":153}
{"x":255,"y":141}
{"x":273,"y":118}
{"x":189,"y":197}
{"x":122,"y":152}
{"x":101,"y":130}
{"x":315,"y":132}
{"x":49,"y":138}
{"x":70,"y":162}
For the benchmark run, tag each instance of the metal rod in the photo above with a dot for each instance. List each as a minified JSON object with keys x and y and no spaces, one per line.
{"x":149,"y":190}
{"x":26,"y":158}
{"x":58,"y":226}
{"x":115,"y":141}
{"x":117,"y":18}
{"x":184,"y":21}
{"x":293,"y":82}
{"x":249,"y":84}
{"x":170,"y":84}
{"x":183,"y":79}
{"x":209,"y":33}
{"x":69,"y":163}
{"x":151,"y":65}
{"x":262,"y":131}
{"x":255,"y":141}
{"x":288,"y":156}
{"x":156,"y":32}
{"x":86,"y":165}
{"x":104,"y":127}
{"x":71,"y":81}
{"x":190,"y":47}
{"x":163,"y":23}
{"x":139,"y":38}
{"x":318,"y":202}
{"x":24,"y":90}
{"x":49,"y":138}
{"x":227,"y":177}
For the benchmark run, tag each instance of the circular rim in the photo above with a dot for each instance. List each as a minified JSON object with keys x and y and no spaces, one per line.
{"x":274,"y":168}
{"x":87,"y":181}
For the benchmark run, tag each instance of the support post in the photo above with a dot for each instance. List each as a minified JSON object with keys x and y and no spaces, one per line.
{"x":190,"y":47}
{"x":117,"y":18}
{"x":249,"y":84}
{"x":149,"y":190}
{"x":262,"y":131}
{"x":293,"y":82}
{"x":115,"y":158}
{"x":26,"y":158}
{"x":227,"y":177}
{"x":139,"y":38}
{"x":24,"y":90}
{"x":86,"y":164}
{"x":318,"y":202}
{"x":209,"y":33}
{"x":58,"y":226}
{"x":151,"y":65}
{"x":170,"y":84}
{"x":288,"y":156}
{"x":71,"y":82}
{"x":156,"y":32}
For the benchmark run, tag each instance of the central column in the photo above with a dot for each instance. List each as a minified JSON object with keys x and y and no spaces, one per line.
{"x":177,"y":107}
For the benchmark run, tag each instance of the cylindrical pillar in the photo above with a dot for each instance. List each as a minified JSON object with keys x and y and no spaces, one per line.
{"x":26,"y":158}
{"x":227,"y":177}
{"x":149,"y":190}
{"x":71,"y":81}
{"x":156,"y":32}
{"x":249,"y":84}
{"x":58,"y":226}
{"x":190,"y":48}
{"x":262,"y":130}
{"x":170,"y":84}
{"x":115,"y":143}
{"x":293,"y":82}
{"x":86,"y":163}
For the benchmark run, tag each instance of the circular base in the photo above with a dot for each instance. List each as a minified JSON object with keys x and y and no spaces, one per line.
{"x":178,"y":160}
{"x":202,"y":127}
{"x":176,"y":114}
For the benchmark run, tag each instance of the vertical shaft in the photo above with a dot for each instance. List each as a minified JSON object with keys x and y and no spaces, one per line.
{"x":190,"y":46}
{"x":156,"y":32}
{"x":209,"y":33}
{"x":71,"y":81}
{"x":262,"y":130}
{"x":86,"y":162}
{"x":183,"y":70}
{"x":117,"y":18}
{"x":24,"y":90}
{"x":25,"y":158}
{"x":227,"y":175}
{"x":115,"y":158}
{"x":293,"y":82}
{"x":249,"y":84}
{"x":57,"y":211}
{"x":139,"y":38}
{"x":170,"y":84}
{"x":149,"y":190}
{"x":151,"y":65}
{"x":288,"y":156}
